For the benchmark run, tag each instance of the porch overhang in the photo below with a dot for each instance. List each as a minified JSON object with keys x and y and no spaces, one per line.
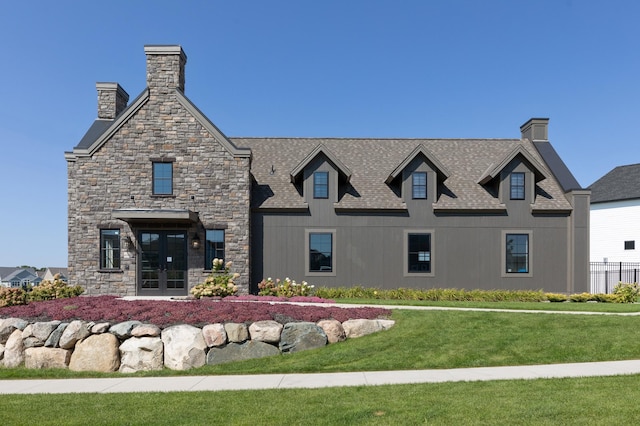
{"x":155,"y":215}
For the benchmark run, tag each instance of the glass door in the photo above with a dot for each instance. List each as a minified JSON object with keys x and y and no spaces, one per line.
{"x":163,"y":266}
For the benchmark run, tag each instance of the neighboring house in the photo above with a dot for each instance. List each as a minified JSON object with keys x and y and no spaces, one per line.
{"x":156,"y":191}
{"x":615,"y":216}
{"x":18,"y":278}
{"x":50,"y":273}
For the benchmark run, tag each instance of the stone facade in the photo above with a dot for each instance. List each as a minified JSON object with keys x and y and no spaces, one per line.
{"x":210,"y":178}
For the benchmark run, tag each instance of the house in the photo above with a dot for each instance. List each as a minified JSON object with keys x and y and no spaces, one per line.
{"x":157,"y":191}
{"x":615,"y":216}
{"x":50,"y":273}
{"x":18,"y":277}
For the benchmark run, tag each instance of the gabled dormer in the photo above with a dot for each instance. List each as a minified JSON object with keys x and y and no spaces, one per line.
{"x":320,"y":176}
{"x":514,"y":179}
{"x":418,"y":176}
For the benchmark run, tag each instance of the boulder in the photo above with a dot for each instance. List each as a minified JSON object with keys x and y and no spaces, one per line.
{"x":123,"y":330}
{"x":141,"y":354}
{"x":38,"y":358}
{"x":214,"y":335}
{"x":98,"y":352}
{"x":184,"y":347}
{"x":54,"y":338}
{"x":265,"y":331}
{"x":99,"y":328}
{"x":301,"y":336}
{"x":362,"y":327}
{"x":334,"y":330}
{"x":1,"y":353}
{"x":146,"y":330}
{"x":239,"y":352}
{"x":236,"y":332}
{"x":75,"y":331}
{"x":42,"y":330}
{"x":14,"y":350}
{"x":9,"y":325}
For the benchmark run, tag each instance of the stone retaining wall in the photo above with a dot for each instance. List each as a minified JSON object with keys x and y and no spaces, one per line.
{"x":133,"y":346}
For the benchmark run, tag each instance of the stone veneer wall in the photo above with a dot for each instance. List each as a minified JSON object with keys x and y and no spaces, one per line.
{"x":207,"y":179}
{"x":132,"y":346}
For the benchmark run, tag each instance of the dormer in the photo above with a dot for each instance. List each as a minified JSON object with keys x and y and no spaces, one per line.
{"x":418,"y":176}
{"x":320,"y":176}
{"x":514,"y":179}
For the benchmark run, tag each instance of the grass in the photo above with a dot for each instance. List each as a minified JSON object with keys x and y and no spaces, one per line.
{"x":593,"y":401}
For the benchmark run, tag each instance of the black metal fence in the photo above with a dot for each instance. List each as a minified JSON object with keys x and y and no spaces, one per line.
{"x":605,"y":275}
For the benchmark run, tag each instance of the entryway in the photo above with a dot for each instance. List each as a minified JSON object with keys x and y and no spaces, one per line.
{"x":163,"y":266}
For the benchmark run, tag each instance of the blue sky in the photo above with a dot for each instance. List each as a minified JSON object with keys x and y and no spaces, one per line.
{"x":359,"y":68}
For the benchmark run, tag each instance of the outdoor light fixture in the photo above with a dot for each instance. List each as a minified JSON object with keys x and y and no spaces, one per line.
{"x":195,"y":241}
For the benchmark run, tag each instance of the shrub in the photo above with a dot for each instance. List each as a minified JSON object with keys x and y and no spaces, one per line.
{"x":626,"y":292}
{"x":56,"y":289}
{"x":219,"y":283}
{"x":286,"y":288}
{"x":12,"y":297}
{"x":433,"y":294}
{"x":556,"y":297}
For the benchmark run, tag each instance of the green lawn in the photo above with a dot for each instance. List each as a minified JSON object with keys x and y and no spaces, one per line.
{"x":588,"y":401}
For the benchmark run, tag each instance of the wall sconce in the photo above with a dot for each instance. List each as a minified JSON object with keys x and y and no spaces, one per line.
{"x":195,"y":241}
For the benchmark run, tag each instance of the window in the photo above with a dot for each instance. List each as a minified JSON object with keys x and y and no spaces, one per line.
{"x":630,"y":245}
{"x":419,"y":185}
{"x":517,"y":186}
{"x":162,"y":178}
{"x":517,"y":254}
{"x":419,"y":253}
{"x":109,"y":249}
{"x":321,"y":185}
{"x":214,"y":247}
{"x":320,"y":252}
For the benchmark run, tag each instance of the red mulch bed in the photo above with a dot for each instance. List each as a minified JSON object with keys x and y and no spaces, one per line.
{"x":166,"y":313}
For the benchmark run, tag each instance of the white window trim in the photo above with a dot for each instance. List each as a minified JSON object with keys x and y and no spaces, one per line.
{"x":405,"y":253}
{"x":503,"y":254}
{"x":334,"y":258}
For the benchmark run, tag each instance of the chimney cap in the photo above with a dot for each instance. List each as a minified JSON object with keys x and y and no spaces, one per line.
{"x":164,"y":49}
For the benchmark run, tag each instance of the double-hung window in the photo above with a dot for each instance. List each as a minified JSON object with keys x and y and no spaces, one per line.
{"x":214,"y":246}
{"x":419,"y":185}
{"x":162,"y":178}
{"x":418,"y":253}
{"x":320,"y":256}
{"x":109,"y":249}
{"x":517,"y":186}
{"x":321,"y":185}
{"x":517,"y":254}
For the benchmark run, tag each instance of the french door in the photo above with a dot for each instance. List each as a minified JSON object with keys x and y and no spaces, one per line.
{"x":163,"y":266}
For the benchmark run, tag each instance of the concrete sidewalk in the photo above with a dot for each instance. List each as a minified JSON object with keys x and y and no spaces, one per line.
{"x":317,"y":380}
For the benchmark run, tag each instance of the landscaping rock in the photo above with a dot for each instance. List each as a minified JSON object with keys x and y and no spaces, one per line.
{"x":1,"y":353}
{"x":8,"y":325}
{"x":54,"y":338}
{"x":14,"y":350}
{"x":214,"y":335}
{"x":38,"y":358}
{"x":146,"y":330}
{"x":184,"y":347}
{"x":301,"y":336}
{"x":236,"y":332}
{"x":334,"y":330}
{"x":123,"y":330}
{"x":75,"y":331}
{"x":42,"y":330}
{"x":98,"y":352}
{"x":362,"y":327}
{"x":101,"y":327}
{"x":265,"y":331}
{"x":141,"y":354}
{"x":239,"y":352}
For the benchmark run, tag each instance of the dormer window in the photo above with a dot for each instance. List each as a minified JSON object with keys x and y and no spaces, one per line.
{"x":419,"y":185}
{"x":517,"y":186}
{"x":321,"y":185}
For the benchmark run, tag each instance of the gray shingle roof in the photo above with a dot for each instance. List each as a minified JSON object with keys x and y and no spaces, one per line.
{"x":371,"y":161}
{"x":621,"y":183}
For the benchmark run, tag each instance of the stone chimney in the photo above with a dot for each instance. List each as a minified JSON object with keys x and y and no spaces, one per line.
{"x":112,"y":100}
{"x":536,"y":129}
{"x":165,"y":68}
